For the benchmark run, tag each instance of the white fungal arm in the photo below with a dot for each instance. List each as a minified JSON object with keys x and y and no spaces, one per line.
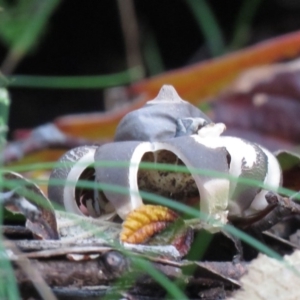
{"x":249,"y":163}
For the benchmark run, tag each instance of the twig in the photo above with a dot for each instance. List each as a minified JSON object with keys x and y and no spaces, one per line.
{"x":282,"y":207}
{"x":15,"y":231}
{"x":40,"y":245}
{"x":111,"y":265}
{"x":131,"y":35}
{"x":31,"y":271}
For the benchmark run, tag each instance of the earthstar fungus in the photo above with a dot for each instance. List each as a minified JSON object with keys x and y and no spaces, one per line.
{"x":172,"y":131}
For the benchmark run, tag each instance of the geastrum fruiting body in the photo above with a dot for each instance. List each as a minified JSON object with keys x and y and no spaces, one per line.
{"x":169,"y":130}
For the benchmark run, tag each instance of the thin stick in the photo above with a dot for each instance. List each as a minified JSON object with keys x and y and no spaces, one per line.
{"x":31,"y":272}
{"x":131,"y":35}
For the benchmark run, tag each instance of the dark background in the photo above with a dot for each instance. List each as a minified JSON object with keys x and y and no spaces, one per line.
{"x":85,"y":38}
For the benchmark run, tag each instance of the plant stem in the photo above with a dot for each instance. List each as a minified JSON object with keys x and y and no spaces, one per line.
{"x":243,"y":24}
{"x":8,"y":286}
{"x":131,"y":36}
{"x":208,"y":25}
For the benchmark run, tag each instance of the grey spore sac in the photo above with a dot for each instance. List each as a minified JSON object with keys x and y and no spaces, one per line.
{"x":158,"y":119}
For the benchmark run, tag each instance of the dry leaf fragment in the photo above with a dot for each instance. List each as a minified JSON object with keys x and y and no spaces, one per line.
{"x":280,"y":279}
{"x":80,"y":229}
{"x":262,"y":105}
{"x":14,"y":202}
{"x":183,"y":241}
{"x":40,"y":214}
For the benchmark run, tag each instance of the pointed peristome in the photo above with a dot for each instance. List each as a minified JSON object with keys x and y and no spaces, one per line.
{"x":167,"y":93}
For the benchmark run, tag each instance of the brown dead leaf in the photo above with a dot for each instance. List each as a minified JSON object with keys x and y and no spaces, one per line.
{"x":263,"y":106}
{"x":268,"y":278}
{"x":44,"y":226}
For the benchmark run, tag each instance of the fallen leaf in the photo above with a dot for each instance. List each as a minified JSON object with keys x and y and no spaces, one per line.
{"x":45,"y":225}
{"x":268,"y":278}
{"x":263,"y":105}
{"x":82,"y":229}
{"x":206,"y":79}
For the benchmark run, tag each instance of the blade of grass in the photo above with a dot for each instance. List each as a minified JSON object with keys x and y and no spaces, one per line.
{"x":131,"y":37}
{"x":4,"y":108}
{"x":208,"y":25}
{"x":152,"y":55}
{"x":169,"y":286}
{"x":243,"y":24}
{"x":72,"y":82}
{"x":152,"y":166}
{"x":30,"y":34}
{"x":8,"y":285}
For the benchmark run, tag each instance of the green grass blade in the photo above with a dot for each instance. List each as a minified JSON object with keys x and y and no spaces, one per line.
{"x":153,"y":58}
{"x":34,"y":27}
{"x":208,"y":25}
{"x":243,"y":24}
{"x":4,"y":108}
{"x":8,"y":285}
{"x":172,"y":289}
{"x":71,"y":82}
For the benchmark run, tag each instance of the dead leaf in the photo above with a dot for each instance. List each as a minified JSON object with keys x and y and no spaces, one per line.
{"x":82,"y":229}
{"x":268,"y":278}
{"x":208,"y":78}
{"x":263,"y":105}
{"x":45,"y":226}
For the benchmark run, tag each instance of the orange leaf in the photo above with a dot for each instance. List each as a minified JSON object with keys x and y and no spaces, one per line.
{"x":97,"y":125}
{"x":206,"y":79}
{"x":193,"y":83}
